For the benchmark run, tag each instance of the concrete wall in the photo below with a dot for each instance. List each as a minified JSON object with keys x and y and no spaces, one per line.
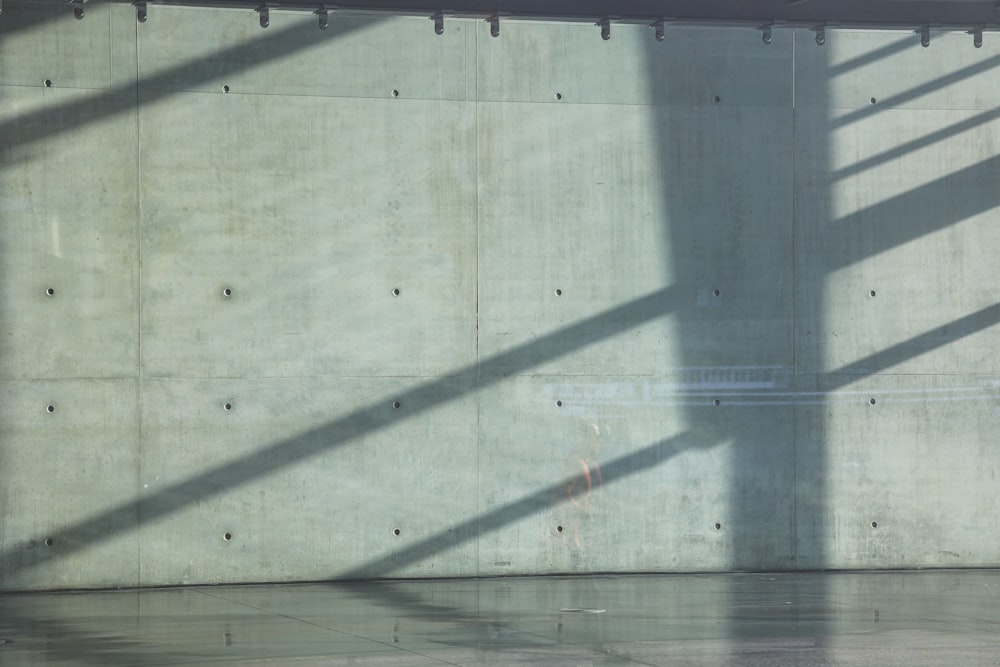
{"x":704,"y":304}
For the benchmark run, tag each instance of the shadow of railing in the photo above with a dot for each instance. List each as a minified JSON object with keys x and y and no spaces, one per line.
{"x":545,"y":498}
{"x":49,"y":122}
{"x":916,"y":92}
{"x":930,"y":340}
{"x":920,"y":211}
{"x":360,"y":422}
{"x":873,"y":56}
{"x":908,"y":147}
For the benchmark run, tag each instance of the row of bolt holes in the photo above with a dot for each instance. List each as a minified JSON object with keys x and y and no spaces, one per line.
{"x":228,"y":292}
{"x":395,"y":93}
{"x":229,"y":406}
{"x":396,"y":404}
{"x":716,"y":402}
{"x":396,"y":531}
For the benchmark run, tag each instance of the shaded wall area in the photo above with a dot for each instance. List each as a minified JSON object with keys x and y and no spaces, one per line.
{"x":374,"y":302}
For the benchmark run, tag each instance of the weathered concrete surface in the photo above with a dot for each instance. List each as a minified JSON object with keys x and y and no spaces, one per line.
{"x":634,"y":327}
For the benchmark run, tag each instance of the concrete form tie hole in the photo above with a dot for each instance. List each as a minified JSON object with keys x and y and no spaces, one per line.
{"x":872,"y":101}
{"x":395,"y":291}
{"x":395,"y":93}
{"x":874,"y":524}
{"x":50,"y":292}
{"x":716,"y":292}
{"x":716,"y":402}
{"x":396,"y":404}
{"x":395,"y":531}
{"x":50,"y":408}
{"x":872,"y":401}
{"x":559,"y":529}
{"x":558,"y":96}
{"x":558,"y":404}
{"x":227,"y":407}
{"x":227,"y":292}
{"x":871,"y":293}
{"x":718,"y":526}
{"x":227,"y":536}
{"x":47,"y":83}
{"x":49,"y":541}
{"x":558,"y":292}
{"x":225,"y":89}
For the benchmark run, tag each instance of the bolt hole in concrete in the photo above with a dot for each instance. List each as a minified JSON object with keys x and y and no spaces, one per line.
{"x":395,"y":93}
{"x":225,"y":89}
{"x":227,"y":293}
{"x":48,"y":83}
{"x":50,"y":292}
{"x":718,"y":526}
{"x":50,"y":409}
{"x":395,"y":531}
{"x":871,"y":401}
{"x":227,"y":407}
{"x":396,"y":404}
{"x":49,"y":541}
{"x":227,"y":536}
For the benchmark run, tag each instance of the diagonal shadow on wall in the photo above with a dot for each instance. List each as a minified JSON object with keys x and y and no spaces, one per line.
{"x":48,"y":123}
{"x":363,"y":421}
{"x":943,"y":202}
{"x":372,"y":418}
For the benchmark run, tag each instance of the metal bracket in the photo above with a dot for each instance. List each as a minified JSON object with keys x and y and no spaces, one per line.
{"x":605,"y":24}
{"x":766,"y":35}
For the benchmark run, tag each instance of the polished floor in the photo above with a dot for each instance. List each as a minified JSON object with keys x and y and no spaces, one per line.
{"x":871,"y":618}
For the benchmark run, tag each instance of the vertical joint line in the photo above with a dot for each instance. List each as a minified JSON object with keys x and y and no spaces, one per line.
{"x":478,"y":440}
{"x":138,"y":310}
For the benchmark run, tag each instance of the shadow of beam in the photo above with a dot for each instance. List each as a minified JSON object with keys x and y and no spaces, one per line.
{"x":614,"y":470}
{"x":915,"y":213}
{"x":911,"y":348}
{"x":46,"y":123}
{"x":916,"y":92}
{"x":916,"y":144}
{"x":360,"y":422}
{"x":871,"y":57}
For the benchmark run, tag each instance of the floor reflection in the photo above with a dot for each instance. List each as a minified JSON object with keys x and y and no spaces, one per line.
{"x":904,"y":618}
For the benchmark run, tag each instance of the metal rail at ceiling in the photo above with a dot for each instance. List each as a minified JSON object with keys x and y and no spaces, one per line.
{"x":973,"y":16}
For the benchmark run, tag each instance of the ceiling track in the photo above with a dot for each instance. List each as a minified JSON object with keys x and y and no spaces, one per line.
{"x":911,"y":15}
